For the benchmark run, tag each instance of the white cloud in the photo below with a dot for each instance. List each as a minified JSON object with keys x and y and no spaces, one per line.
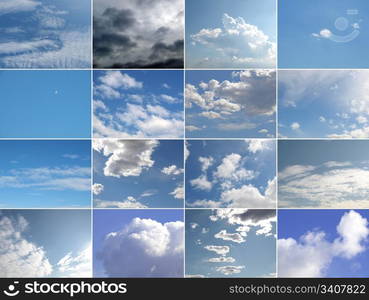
{"x":202,"y":183}
{"x":119,"y":80}
{"x":126,"y":157}
{"x":226,"y":236}
{"x":18,"y":256}
{"x":194,"y":225}
{"x":172,"y":170}
{"x":294,"y":256}
{"x":178,"y":192}
{"x":324,"y":33}
{"x":220,"y":250}
{"x":237,"y":44}
{"x":144,"y":248}
{"x":295,"y":126}
{"x":97,"y":188}
{"x":129,"y":202}
{"x":78,"y":265}
{"x":230,"y":270}
{"x":221,"y":259}
{"x":206,"y":162}
{"x":230,"y":168}
{"x":330,"y":185}
{"x":15,"y":6}
{"x":257,"y":145}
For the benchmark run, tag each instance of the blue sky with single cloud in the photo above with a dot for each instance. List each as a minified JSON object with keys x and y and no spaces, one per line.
{"x":230,"y":103}
{"x":220,"y":35}
{"x":138,"y":173}
{"x":138,"y":104}
{"x":138,"y":243}
{"x":45,"y":34}
{"x":336,"y":239}
{"x":45,"y":243}
{"x":238,"y":173}
{"x":311,"y":34}
{"x":230,"y":243}
{"x":45,"y":174}
{"x":49,"y":104}
{"x":323,"y":103}
{"x":323,"y":173}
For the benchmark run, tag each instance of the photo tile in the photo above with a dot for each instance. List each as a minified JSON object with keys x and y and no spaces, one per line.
{"x":138,"y":243}
{"x":45,"y":34}
{"x":323,"y":243}
{"x":323,"y":174}
{"x":239,"y":35}
{"x":323,"y":104}
{"x":138,"y":34}
{"x":230,"y":173}
{"x":45,"y":243}
{"x":138,"y":173}
{"x":323,"y":35}
{"x":45,"y":104}
{"x":230,"y":104}
{"x":138,"y":104}
{"x":45,"y":174}
{"x":230,"y":243}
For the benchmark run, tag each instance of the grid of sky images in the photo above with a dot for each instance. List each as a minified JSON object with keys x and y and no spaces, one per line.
{"x":184,"y":138}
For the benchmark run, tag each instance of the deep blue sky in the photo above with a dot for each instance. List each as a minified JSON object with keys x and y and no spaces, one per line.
{"x":45,"y":174}
{"x":295,"y":223}
{"x":298,"y":48}
{"x":49,"y":104}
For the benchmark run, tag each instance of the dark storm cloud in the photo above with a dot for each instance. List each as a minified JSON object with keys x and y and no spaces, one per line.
{"x":128,"y":38}
{"x":256,"y":215}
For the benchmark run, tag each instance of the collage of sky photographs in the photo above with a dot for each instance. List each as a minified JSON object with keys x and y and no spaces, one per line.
{"x":184,"y":138}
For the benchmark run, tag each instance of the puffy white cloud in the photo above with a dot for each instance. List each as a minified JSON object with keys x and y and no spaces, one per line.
{"x":226,"y":236}
{"x":119,"y":80}
{"x":324,"y":33}
{"x":18,"y":256}
{"x":220,"y":250}
{"x":230,"y":270}
{"x":178,"y":192}
{"x":237,"y":43}
{"x":256,"y":145}
{"x":97,"y":188}
{"x":126,"y":157}
{"x":194,"y":225}
{"x":333,"y":184}
{"x":249,"y":196}
{"x":202,"y":183}
{"x":144,"y":248}
{"x":129,"y":202}
{"x":230,"y":168}
{"x":295,"y":126}
{"x":78,"y":265}
{"x":312,"y":254}
{"x":172,"y":170}
{"x":206,"y":162}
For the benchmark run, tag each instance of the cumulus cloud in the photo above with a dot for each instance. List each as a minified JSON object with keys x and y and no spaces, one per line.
{"x":129,"y":202}
{"x":139,"y":115}
{"x":78,"y":265}
{"x":258,"y":145}
{"x":15,"y":6}
{"x":144,"y":248}
{"x":97,"y":188}
{"x":178,"y":192}
{"x":172,"y":170}
{"x":226,"y":236}
{"x":332,"y":184}
{"x":126,"y":157}
{"x":220,"y":250}
{"x":237,"y":43}
{"x":138,"y":34}
{"x":20,"y":257}
{"x":295,"y":256}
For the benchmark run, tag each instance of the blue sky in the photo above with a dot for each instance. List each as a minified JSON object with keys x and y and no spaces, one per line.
{"x":230,"y":103}
{"x":138,"y":173}
{"x":323,"y":173}
{"x":323,"y":103}
{"x":138,"y":243}
{"x":230,"y":243}
{"x":309,"y":31}
{"x":336,"y":239}
{"x":45,"y":34}
{"x":50,"y":104}
{"x":45,"y":174}
{"x":138,"y":104}
{"x":241,"y":35}
{"x":237,"y":173}
{"x":45,"y":243}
